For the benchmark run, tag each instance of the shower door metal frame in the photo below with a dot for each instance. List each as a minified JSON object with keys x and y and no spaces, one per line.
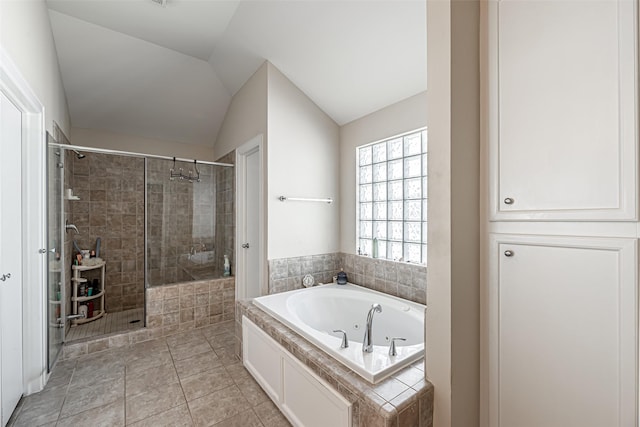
{"x":146,"y":246}
{"x":51,"y":145}
{"x":140,"y":155}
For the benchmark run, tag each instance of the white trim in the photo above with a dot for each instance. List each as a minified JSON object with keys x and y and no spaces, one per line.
{"x":255,"y":143}
{"x":17,"y":89}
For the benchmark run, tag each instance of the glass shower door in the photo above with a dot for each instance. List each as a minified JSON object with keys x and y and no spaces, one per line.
{"x":55,"y":258}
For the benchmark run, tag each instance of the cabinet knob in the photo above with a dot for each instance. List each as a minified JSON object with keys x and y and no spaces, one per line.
{"x":508,"y":253}
{"x":508,"y":201}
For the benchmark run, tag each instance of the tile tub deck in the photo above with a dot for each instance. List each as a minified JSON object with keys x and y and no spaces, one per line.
{"x":403,"y":400}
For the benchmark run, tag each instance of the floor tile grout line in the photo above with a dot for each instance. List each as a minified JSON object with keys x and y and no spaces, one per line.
{"x":225,"y":363}
{"x":186,"y":402}
{"x":66,"y":393}
{"x":125,"y":392}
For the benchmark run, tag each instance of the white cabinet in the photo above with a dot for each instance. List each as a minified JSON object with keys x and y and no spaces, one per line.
{"x":562,"y":118}
{"x":560,"y":308}
{"x":303,"y":397}
{"x":562,"y":331}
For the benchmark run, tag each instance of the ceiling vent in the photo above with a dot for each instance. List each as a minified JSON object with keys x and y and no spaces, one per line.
{"x":162,"y":3}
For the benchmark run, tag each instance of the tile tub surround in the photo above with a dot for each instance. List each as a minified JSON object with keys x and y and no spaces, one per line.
{"x":403,"y":400}
{"x":285,"y":274}
{"x":186,"y":379}
{"x":170,"y":309}
{"x":400,"y":279}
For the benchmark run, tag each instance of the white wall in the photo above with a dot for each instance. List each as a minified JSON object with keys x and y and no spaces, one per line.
{"x":246,"y":116}
{"x":453,"y":272}
{"x":404,"y":116}
{"x":301,"y":152}
{"x":303,"y":161}
{"x":116,"y":141}
{"x":26,"y":38}
{"x":25,"y":34}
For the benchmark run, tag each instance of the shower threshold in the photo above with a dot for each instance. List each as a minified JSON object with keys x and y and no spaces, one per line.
{"x":127,"y":320}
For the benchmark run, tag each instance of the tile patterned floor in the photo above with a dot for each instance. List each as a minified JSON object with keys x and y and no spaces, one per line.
{"x":188,"y":379}
{"x":112,"y":322}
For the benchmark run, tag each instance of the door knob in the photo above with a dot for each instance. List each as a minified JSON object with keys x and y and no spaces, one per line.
{"x":245,"y":245}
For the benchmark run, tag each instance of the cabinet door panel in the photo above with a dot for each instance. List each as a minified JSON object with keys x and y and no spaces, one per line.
{"x":563,"y":114}
{"x":310,"y":403}
{"x":263,"y":358}
{"x":562,"y":332}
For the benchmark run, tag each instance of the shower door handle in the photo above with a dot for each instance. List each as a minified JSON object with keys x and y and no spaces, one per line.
{"x":245,"y":245}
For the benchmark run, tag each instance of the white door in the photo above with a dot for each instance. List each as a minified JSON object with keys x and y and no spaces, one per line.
{"x":250,"y":249}
{"x":252,"y":237}
{"x":10,"y":258}
{"x":562,"y":332}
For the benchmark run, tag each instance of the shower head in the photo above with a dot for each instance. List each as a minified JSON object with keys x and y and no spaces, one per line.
{"x":79,"y":155}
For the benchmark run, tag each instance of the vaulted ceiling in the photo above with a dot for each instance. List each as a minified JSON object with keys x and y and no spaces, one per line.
{"x":136,"y":67}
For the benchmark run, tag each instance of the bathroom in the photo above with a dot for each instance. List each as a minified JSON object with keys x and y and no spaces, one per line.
{"x":315,"y":146}
{"x":533,"y":213}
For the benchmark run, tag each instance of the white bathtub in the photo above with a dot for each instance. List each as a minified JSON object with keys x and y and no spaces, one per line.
{"x":316,"y":312}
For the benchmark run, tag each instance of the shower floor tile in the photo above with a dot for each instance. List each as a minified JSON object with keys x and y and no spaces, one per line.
{"x":112,"y":322}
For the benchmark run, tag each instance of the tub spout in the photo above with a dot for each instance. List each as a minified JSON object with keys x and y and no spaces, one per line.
{"x":367,"y":342}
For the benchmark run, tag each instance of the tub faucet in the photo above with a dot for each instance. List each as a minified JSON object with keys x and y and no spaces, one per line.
{"x":367,"y":342}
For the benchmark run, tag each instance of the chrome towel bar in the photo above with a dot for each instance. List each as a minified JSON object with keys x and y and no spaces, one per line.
{"x":304,"y":199}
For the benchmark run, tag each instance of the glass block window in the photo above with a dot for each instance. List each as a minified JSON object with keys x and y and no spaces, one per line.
{"x":392,"y":198}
